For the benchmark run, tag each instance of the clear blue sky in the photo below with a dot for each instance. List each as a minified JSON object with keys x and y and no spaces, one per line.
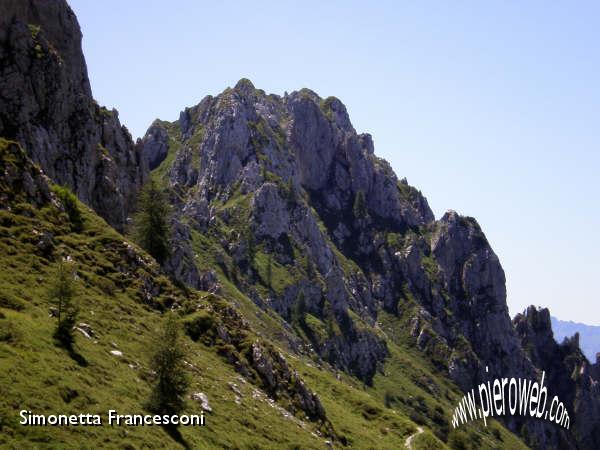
{"x":490,"y":108}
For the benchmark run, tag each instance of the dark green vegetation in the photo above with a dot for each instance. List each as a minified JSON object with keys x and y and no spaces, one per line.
{"x":172,"y":383}
{"x":360,"y":206}
{"x":151,"y":222}
{"x":122,"y":295}
{"x":62,"y":291}
{"x":70,"y":204}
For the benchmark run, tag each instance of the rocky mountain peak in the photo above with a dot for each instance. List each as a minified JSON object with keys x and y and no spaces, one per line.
{"x":301,"y":173}
{"x":245,"y":86}
{"x":274,"y":177}
{"x":534,"y":327}
{"x":570,"y":375}
{"x":305,"y":139}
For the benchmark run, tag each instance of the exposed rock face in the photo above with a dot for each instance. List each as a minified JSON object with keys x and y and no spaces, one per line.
{"x":282,"y":157}
{"x":573,"y":379}
{"x":24,"y":185}
{"x":47,"y":106}
{"x":180,"y":262}
{"x":589,"y":335}
{"x":155,"y":145}
{"x":21,"y":180}
{"x":293,"y":206}
{"x":309,"y":222}
{"x":470,"y":273}
{"x":255,"y":360}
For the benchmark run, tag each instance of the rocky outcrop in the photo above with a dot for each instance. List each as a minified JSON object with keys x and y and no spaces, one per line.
{"x":24,"y":187}
{"x":470,"y":273}
{"x":589,"y":335}
{"x":570,"y":375}
{"x":308,"y":222}
{"x":155,"y":145}
{"x":47,"y":106}
{"x":180,"y":262}
{"x":221,"y":326}
{"x":266,"y":156}
{"x":21,"y":180}
{"x":290,"y":203}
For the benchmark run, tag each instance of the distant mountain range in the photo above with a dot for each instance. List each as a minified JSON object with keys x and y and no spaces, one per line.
{"x":589,"y":335}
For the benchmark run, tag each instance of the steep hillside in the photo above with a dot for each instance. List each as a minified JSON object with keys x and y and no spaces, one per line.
{"x":292,"y":206}
{"x":298,"y":402}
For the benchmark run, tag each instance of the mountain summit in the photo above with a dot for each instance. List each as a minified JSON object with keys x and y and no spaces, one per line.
{"x":299,"y":208}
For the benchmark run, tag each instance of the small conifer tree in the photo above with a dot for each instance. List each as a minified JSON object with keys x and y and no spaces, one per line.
{"x":249,"y":239}
{"x":360,"y":206}
{"x":171,"y":381}
{"x":152,"y":229}
{"x":269,"y":274}
{"x":62,"y":293}
{"x":299,"y":311}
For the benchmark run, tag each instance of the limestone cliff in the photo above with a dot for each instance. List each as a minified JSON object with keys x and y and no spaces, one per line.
{"x":46,"y":104}
{"x":311,"y":224}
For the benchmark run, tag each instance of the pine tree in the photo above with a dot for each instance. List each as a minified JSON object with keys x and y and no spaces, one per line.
{"x":311,"y":271}
{"x":248,"y":238}
{"x":269,"y":274}
{"x":299,"y":311}
{"x":61,"y":293}
{"x":360,"y":206}
{"x":263,"y":172}
{"x":168,"y":393}
{"x":152,"y":229}
{"x":287,"y":190}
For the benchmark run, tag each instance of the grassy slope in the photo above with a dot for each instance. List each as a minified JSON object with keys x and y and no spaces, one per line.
{"x":37,"y":375}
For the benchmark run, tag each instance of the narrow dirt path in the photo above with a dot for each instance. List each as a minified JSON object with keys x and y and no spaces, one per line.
{"x":408,"y":442}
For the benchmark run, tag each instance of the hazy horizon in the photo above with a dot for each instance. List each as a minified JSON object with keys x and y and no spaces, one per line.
{"x":488,"y":109}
